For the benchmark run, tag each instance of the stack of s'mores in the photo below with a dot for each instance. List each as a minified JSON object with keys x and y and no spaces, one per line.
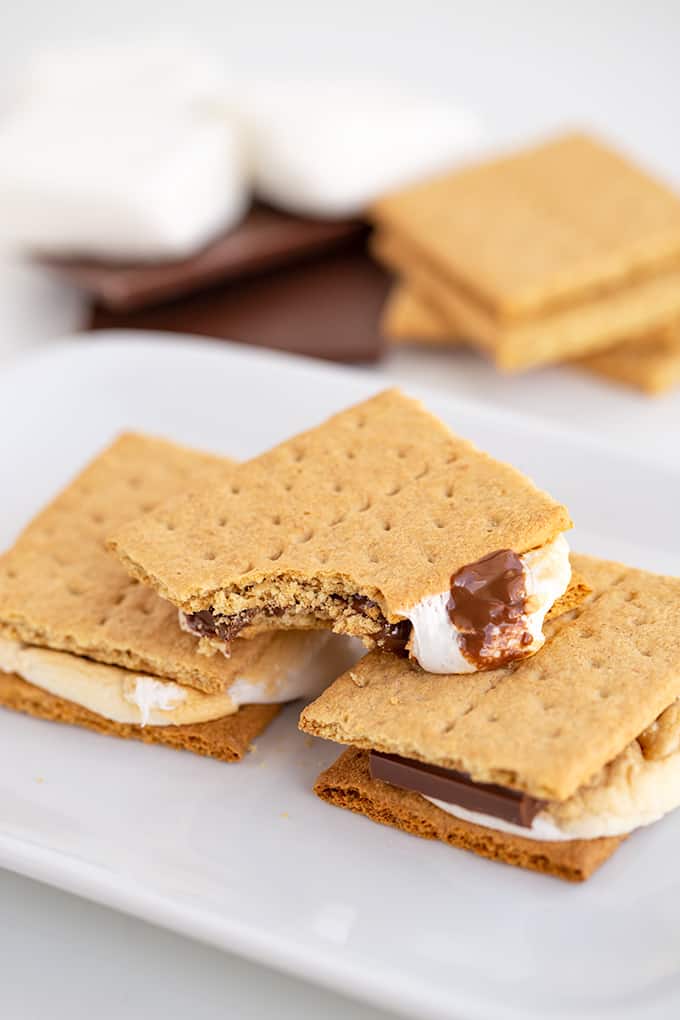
{"x":516,"y":700}
{"x":565,"y":251}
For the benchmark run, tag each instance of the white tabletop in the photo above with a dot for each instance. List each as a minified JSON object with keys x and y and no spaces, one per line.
{"x":527,"y":68}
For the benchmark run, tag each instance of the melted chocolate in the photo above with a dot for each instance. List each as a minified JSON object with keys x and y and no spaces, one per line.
{"x":456,"y":788}
{"x":392,"y":637}
{"x":488,"y":605}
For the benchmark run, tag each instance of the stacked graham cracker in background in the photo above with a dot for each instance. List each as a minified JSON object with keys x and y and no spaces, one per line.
{"x":562,"y":252}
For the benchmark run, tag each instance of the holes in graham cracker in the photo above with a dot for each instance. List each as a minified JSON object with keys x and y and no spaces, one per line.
{"x":235,"y":490}
{"x":448,"y":492}
{"x":492,"y":718}
{"x":147,"y":507}
{"x":11,"y":574}
{"x":402,"y":452}
{"x":97,"y":517}
{"x":102,"y":621}
{"x":393,"y":489}
{"x":222,"y":522}
{"x":135,"y":482}
{"x":361,"y":421}
{"x":439,"y":523}
{"x":351,"y":454}
{"x":298,"y":454}
{"x":277,"y":554}
{"x":387,"y":525}
{"x":596,"y":663}
{"x":556,"y":734}
{"x":170,"y":525}
{"x":288,"y":486}
{"x":120,"y":597}
{"x":603,"y":693}
{"x":74,"y":589}
{"x":276,"y":519}
{"x":366,"y":505}
{"x":210,"y":555}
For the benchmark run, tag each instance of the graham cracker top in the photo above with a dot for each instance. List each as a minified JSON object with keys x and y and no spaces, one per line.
{"x":60,"y":588}
{"x":586,"y":219}
{"x":381,"y":500}
{"x":546,"y":724}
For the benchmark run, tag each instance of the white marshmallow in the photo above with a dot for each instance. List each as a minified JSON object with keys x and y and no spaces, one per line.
{"x":119,"y":153}
{"x":436,"y":639}
{"x":329,"y":148}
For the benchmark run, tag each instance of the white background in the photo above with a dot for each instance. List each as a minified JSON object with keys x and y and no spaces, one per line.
{"x":526,"y":68}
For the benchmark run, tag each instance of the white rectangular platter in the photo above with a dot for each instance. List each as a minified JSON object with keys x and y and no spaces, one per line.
{"x":244,"y":856}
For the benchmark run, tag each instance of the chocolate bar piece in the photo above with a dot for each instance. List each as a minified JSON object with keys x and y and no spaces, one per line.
{"x":265,"y":240}
{"x":325,"y":307}
{"x":455,"y":788}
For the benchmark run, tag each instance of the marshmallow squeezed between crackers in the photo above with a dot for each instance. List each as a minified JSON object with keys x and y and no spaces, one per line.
{"x":586,"y":733}
{"x":378,"y":524}
{"x":81,"y":642}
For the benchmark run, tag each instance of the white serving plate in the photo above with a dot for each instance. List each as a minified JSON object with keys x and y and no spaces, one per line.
{"x":245,"y":857}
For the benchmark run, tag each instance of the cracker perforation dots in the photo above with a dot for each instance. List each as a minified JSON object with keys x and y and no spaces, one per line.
{"x":393,"y":489}
{"x":277,"y":554}
{"x":366,"y":505}
{"x":210,"y":555}
{"x":135,"y":482}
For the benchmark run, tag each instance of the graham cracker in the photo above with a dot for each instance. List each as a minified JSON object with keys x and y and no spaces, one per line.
{"x":348,"y":784}
{"x":545,"y":724}
{"x":382,"y":501}
{"x":650,"y":363}
{"x":586,"y":218}
{"x":409,"y":318}
{"x":636,"y":310}
{"x":60,"y":588}
{"x":226,"y":739}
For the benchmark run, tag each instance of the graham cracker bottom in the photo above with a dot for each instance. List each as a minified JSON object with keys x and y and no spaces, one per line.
{"x":226,"y":739}
{"x":649,"y":363}
{"x":348,"y":784}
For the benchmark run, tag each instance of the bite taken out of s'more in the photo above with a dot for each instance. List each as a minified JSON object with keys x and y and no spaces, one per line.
{"x":547,"y":764}
{"x":379,"y":523}
{"x":82,"y":643}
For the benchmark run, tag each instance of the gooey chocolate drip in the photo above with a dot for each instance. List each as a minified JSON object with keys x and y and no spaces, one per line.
{"x":391,"y":637}
{"x":488,"y":597}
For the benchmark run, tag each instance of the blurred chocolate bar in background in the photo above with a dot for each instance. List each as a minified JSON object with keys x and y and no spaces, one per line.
{"x":280,"y":281}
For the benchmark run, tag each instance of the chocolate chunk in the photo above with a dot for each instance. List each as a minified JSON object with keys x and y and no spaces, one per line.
{"x":392,"y":637}
{"x":456,"y":788}
{"x":325,"y":307}
{"x":266,"y":239}
{"x":487,"y":606}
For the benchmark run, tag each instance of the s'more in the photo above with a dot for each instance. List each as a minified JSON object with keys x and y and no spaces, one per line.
{"x":545,"y":254}
{"x":83,"y":643}
{"x":548,"y":763}
{"x":379,"y":523}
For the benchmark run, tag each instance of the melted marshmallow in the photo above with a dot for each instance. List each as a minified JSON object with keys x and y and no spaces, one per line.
{"x":435,"y":641}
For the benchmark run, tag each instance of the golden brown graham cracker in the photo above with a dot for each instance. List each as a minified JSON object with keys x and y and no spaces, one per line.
{"x":60,"y":588}
{"x":382,"y":500}
{"x":546,"y":724}
{"x":586,"y":218}
{"x":348,"y":784}
{"x":636,"y":310}
{"x":226,"y":739}
{"x":649,"y":363}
